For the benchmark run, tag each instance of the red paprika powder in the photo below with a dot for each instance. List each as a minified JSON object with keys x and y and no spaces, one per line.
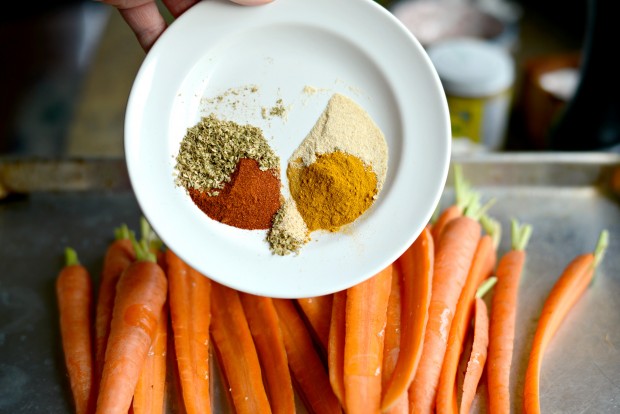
{"x":248,"y":201}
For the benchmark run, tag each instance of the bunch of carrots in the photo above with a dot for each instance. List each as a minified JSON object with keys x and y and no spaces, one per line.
{"x":392,"y":344}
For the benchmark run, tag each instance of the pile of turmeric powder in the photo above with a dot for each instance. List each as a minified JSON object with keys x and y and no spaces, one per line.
{"x":333,"y":191}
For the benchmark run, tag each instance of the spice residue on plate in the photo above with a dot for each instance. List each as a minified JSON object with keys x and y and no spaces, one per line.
{"x":230,"y":172}
{"x":232,"y":98}
{"x":278,"y":110}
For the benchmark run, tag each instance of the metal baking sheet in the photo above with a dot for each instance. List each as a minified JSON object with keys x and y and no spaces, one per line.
{"x":568,"y":198}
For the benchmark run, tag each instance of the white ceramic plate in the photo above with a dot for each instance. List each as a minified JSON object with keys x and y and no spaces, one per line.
{"x":353,"y":47}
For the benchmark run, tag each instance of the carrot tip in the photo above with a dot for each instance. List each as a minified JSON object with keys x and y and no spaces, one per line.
{"x":520,"y":234}
{"x":152,"y":240}
{"x":486,"y":286}
{"x":71,"y":257}
{"x":122,"y":232}
{"x":462,"y":188}
{"x":601,"y":247}
{"x":143,"y":253}
{"x":493,"y":228}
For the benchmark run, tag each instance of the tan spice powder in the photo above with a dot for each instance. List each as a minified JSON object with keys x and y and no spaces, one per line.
{"x":345,"y":126}
{"x":288,"y":232}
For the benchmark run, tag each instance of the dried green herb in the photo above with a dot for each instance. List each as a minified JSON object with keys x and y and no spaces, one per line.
{"x":278,"y":110}
{"x":211,"y":149}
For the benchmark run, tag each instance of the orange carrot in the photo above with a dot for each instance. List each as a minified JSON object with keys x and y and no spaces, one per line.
{"x":478,"y":356}
{"x":450,"y":213}
{"x":318,"y":313}
{"x":480,"y":269}
{"x":119,"y":255}
{"x":140,"y":295}
{"x":236,"y":350}
{"x":462,"y":197}
{"x":190,"y":314}
{"x":453,"y":259}
{"x":335,"y":348}
{"x":567,"y":290}
{"x":74,"y":295}
{"x":304,"y":362}
{"x":391,"y":343}
{"x":148,"y":397}
{"x":265,"y":328}
{"x":416,"y":268}
{"x":366,"y":313}
{"x":503,"y":316}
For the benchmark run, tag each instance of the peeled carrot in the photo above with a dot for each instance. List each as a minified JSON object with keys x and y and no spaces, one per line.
{"x":149,"y":395}
{"x":119,"y":255}
{"x":265,"y":328}
{"x":318,"y":313}
{"x":567,"y":290}
{"x":480,"y":269}
{"x":140,"y":295}
{"x":391,"y":346}
{"x":74,"y":295}
{"x":462,"y":194}
{"x":450,"y":213}
{"x":391,"y":343}
{"x":416,"y":268}
{"x":236,"y":350}
{"x":453,"y":259}
{"x":190,"y":314}
{"x":502,"y":323}
{"x":366,"y":313}
{"x":478,"y":356}
{"x":308,"y":372}
{"x":335,"y":347}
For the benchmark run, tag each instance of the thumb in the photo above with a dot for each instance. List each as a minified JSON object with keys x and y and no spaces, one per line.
{"x":251,"y":2}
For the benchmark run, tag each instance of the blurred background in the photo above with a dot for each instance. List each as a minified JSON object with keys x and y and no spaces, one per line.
{"x":68,"y":66}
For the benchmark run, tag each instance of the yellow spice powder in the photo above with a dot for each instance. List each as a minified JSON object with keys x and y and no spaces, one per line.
{"x":332,"y":191}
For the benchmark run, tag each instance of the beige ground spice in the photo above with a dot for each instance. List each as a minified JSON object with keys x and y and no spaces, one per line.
{"x":288,"y":232}
{"x":345,"y":126}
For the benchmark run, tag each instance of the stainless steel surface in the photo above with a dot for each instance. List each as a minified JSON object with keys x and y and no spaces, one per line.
{"x":568,"y":198}
{"x":22,"y":176}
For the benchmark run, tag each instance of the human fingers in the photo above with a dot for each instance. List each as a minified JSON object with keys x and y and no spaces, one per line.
{"x":143,"y":18}
{"x":251,"y":2}
{"x":146,"y":22}
{"x":178,"y":7}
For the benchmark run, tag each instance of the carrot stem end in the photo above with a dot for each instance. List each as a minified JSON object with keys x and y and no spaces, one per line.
{"x":71,"y":257}
{"x":486,"y":286}
{"x":520,"y":234}
{"x":122,"y":232}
